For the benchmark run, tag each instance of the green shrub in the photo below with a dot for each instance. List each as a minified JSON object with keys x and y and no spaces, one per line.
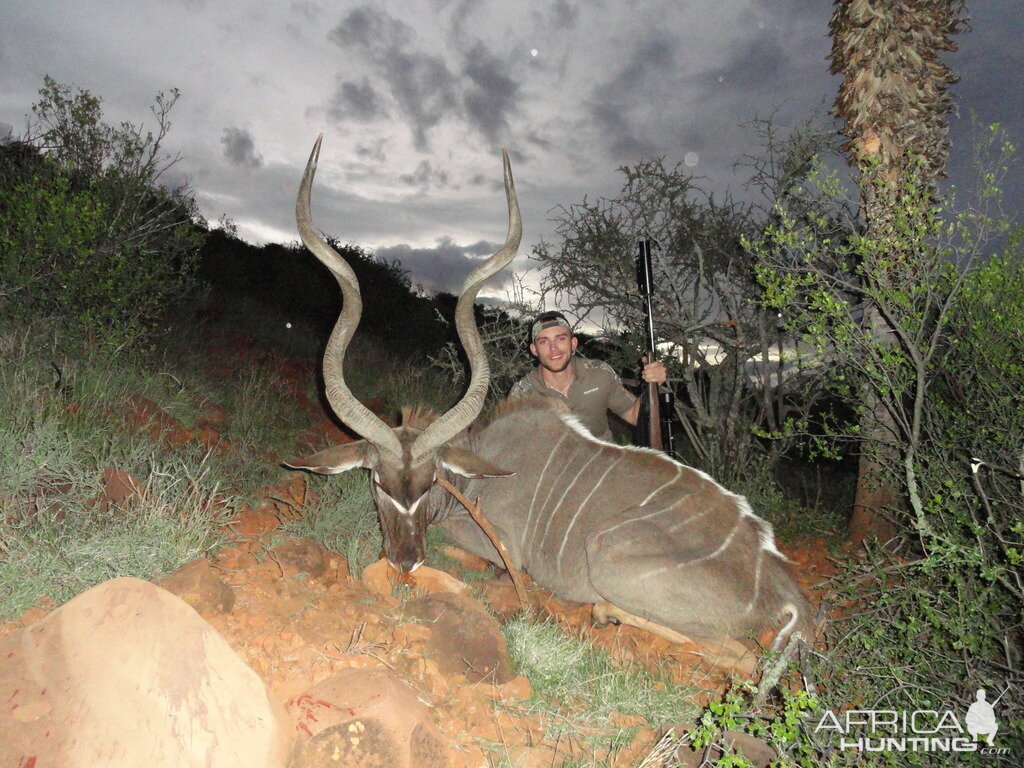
{"x":89,"y":234}
{"x":939,"y":612}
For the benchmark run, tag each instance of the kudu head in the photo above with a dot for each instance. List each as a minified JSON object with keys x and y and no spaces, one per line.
{"x":405,"y":461}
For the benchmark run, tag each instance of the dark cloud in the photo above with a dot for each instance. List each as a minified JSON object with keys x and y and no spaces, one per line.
{"x":564,"y":15}
{"x":483,"y":180}
{"x":240,"y":149}
{"x":372,"y":152}
{"x":424,"y":88}
{"x":760,"y":65}
{"x":618,"y":107}
{"x":308,"y":10}
{"x":492,"y":96}
{"x":425,"y":176}
{"x":370,"y":28}
{"x":421,"y":84}
{"x":356,"y":101}
{"x":445,"y":266}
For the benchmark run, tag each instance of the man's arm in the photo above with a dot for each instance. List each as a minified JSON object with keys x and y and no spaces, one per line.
{"x":655,"y":372}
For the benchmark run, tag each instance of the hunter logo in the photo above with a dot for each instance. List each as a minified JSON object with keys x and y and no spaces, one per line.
{"x":981,"y":719}
{"x":920,"y":730}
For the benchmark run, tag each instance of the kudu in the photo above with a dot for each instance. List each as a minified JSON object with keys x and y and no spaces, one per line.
{"x":591,"y":521}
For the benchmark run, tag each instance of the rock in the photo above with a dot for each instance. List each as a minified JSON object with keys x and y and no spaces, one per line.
{"x":465,"y":559}
{"x":199,"y":585}
{"x":208,"y":437}
{"x":433,"y":581}
{"x":464,"y":639}
{"x":300,"y":556}
{"x":142,"y":413}
{"x":409,"y":633}
{"x":500,"y":597}
{"x":249,"y":523}
{"x":516,"y":688}
{"x":362,"y":718}
{"x":118,"y":489}
{"x":380,"y":578}
{"x":211,"y":414}
{"x":757,"y":751}
{"x":128,"y":675}
{"x":760,"y":753}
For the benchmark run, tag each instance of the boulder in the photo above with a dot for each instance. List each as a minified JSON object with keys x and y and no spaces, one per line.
{"x":464,"y":639}
{"x":364,"y":718}
{"x":300,"y":556}
{"x":126,"y":675}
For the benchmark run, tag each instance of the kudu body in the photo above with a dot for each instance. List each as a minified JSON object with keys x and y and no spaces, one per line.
{"x":588,"y":520}
{"x":592,"y":521}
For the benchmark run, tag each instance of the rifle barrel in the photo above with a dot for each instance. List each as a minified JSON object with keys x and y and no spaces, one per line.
{"x":645,"y":281}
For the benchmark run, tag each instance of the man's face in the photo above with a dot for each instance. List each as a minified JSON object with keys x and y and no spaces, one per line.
{"x":553,"y":348}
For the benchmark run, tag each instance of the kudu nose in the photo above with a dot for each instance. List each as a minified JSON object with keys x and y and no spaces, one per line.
{"x":407,"y":559}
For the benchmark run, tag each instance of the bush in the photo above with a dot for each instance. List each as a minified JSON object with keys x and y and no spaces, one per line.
{"x":88,"y":232}
{"x":940,"y":612}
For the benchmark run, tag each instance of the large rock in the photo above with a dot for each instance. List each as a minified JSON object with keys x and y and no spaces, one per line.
{"x":465,"y":639}
{"x":365,"y":718}
{"x":127,"y":675}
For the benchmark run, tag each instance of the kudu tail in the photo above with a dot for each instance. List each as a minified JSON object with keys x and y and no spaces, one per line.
{"x":799,"y":626}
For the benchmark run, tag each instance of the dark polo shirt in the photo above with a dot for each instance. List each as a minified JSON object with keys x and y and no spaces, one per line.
{"x":594,"y":391}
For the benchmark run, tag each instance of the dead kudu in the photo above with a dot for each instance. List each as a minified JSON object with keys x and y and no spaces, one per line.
{"x":650,"y":541}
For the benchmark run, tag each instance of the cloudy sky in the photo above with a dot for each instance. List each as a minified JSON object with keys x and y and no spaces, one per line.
{"x":416,"y":96}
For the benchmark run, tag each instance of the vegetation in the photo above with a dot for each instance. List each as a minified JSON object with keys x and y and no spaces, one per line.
{"x":894,"y":101}
{"x":582,"y":690}
{"x":938,"y":610}
{"x":89,"y":233}
{"x":63,"y":430}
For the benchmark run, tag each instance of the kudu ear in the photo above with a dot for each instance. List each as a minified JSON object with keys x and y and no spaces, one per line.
{"x":468,"y":464}
{"x":336,"y":459}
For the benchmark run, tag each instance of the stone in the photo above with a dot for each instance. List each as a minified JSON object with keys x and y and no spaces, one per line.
{"x":364,"y":718}
{"x":759,"y":752}
{"x":516,"y":688}
{"x":465,"y":559}
{"x":300,"y":556}
{"x":211,"y":414}
{"x":465,"y":639}
{"x":433,"y":581}
{"x":128,"y":675}
{"x":198,"y":584}
{"x":142,"y":413}
{"x":118,"y":489}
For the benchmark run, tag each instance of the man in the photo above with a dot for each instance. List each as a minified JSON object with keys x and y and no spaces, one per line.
{"x":590,"y":388}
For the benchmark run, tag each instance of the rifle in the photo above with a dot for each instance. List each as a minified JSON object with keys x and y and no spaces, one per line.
{"x":659,"y":404}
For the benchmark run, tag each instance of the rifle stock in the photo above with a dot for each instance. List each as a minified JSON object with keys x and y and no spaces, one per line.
{"x":654,"y":439}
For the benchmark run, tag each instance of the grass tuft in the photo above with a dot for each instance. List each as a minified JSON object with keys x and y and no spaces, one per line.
{"x":581,"y":688}
{"x":340,"y":516}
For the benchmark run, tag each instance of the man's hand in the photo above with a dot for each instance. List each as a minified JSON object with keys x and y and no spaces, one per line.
{"x":655,"y":372}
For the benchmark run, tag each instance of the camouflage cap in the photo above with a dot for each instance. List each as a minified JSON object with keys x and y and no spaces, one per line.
{"x":546,"y":320}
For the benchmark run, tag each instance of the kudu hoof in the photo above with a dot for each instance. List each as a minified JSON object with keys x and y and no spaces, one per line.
{"x":604,"y":614}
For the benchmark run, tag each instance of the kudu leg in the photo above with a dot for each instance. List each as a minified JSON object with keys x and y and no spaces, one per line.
{"x":730,"y":654}
{"x":636,"y":572}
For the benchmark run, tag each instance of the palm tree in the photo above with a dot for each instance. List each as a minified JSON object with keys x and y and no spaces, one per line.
{"x":894,"y":101}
